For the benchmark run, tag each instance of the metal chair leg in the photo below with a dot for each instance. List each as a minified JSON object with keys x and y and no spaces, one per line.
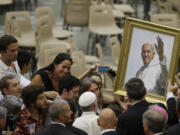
{"x":88,"y":43}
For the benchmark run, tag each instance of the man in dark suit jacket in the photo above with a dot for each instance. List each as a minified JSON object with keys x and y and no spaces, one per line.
{"x":130,"y":122}
{"x":175,"y":130}
{"x":107,"y":121}
{"x":69,"y":126}
{"x":171,"y":105}
{"x":60,"y":114}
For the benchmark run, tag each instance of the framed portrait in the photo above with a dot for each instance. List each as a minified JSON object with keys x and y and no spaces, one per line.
{"x":150,"y":52}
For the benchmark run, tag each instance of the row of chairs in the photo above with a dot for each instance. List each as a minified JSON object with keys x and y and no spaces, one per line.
{"x":76,"y":12}
{"x":12,"y":5}
{"x":18,"y":24}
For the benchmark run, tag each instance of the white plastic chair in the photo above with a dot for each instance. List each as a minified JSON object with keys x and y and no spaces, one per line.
{"x":76,"y":13}
{"x":102,"y":22}
{"x":165,"y":19}
{"x":79,"y":64}
{"x":18,"y":24}
{"x":57,"y":31}
{"x":43,"y":58}
{"x":115,"y":49}
{"x":45,"y":36}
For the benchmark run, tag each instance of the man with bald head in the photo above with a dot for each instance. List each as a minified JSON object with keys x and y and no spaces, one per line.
{"x":154,"y":72}
{"x":107,"y":121}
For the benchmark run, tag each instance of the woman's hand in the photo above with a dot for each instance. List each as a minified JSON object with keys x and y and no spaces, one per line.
{"x":51,"y":94}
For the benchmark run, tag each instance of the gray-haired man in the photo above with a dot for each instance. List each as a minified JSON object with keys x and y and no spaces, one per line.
{"x":3,"y":114}
{"x":60,"y":113}
{"x":154,"y":121}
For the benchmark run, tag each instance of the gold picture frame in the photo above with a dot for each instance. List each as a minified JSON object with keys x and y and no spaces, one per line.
{"x":137,"y":32}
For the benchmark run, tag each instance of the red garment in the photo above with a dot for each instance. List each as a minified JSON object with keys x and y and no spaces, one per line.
{"x":26,"y":125}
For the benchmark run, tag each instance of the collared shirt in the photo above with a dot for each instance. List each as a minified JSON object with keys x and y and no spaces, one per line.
{"x":58,"y":123}
{"x":160,"y":133}
{"x":26,"y":125}
{"x":107,"y":130}
{"x":169,"y":95}
{"x":6,"y":70}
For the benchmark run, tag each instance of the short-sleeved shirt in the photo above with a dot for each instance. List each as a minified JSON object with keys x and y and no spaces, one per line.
{"x":26,"y":125}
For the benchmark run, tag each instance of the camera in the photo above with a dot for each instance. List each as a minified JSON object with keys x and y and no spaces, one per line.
{"x":103,"y":69}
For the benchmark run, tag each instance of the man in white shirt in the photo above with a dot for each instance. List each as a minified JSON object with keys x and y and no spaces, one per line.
{"x":153,"y":73}
{"x":9,"y":53}
{"x":88,"y":120}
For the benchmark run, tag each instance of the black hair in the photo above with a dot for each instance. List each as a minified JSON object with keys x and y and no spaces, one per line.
{"x":5,"y":41}
{"x":23,"y":58}
{"x":58,"y":59}
{"x":30,"y":93}
{"x":68,"y":82}
{"x":135,"y":88}
{"x":72,"y":105}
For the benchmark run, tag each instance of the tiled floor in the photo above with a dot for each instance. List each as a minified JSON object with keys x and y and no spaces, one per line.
{"x":80,"y":36}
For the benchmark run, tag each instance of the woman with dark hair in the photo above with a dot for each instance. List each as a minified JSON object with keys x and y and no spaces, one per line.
{"x":49,"y":76}
{"x":89,"y":84}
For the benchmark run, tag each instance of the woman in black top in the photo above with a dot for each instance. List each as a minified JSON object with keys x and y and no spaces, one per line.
{"x":49,"y":76}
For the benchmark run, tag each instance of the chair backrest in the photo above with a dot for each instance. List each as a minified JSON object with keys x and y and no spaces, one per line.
{"x":51,"y":53}
{"x":79,"y":64}
{"x":115,"y":49}
{"x":101,"y":16}
{"x":43,"y":32}
{"x":100,"y":53}
{"x":109,"y":2}
{"x":165,"y":6}
{"x":165,"y":19}
{"x":76,"y":14}
{"x":45,"y":11}
{"x":44,"y":58}
{"x":175,"y":4}
{"x":18,"y":23}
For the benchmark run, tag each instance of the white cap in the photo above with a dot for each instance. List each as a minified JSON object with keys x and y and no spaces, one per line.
{"x":86,"y":99}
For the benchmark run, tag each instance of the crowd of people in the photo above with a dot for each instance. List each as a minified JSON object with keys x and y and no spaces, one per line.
{"x":55,"y":102}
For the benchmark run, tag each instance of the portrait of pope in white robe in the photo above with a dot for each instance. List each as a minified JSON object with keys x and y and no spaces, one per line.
{"x":153,"y":73}
{"x":149,"y":59}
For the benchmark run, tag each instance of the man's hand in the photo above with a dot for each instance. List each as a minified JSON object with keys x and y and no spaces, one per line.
{"x":177,"y":80}
{"x":160,"y":48}
{"x":172,"y":88}
{"x":123,"y":105}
